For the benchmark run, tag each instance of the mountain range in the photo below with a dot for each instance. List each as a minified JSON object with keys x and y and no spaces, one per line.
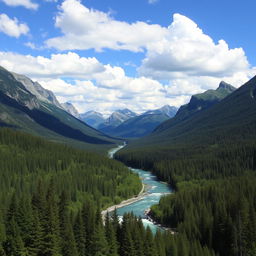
{"x":144,"y":124}
{"x":115,"y":119}
{"x":141,"y":125}
{"x":228,"y":114}
{"x":27,"y":106}
{"x":125,"y":123}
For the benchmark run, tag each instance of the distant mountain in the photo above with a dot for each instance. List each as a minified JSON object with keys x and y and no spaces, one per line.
{"x":92,"y":118}
{"x":232,"y":118}
{"x":143,"y":124}
{"x":36,"y":111}
{"x":116,"y":119}
{"x":204,"y":100}
{"x":170,"y":111}
{"x":138,"y":126}
{"x":70,"y":109}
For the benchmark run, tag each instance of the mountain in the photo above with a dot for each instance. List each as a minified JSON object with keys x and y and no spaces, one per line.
{"x":209,"y":159}
{"x":34,"y":110}
{"x":204,"y":100}
{"x":167,"y":110}
{"x":138,"y":126}
{"x":143,"y":124}
{"x":92,"y":118}
{"x":230,"y":117}
{"x":36,"y":89}
{"x":116,"y":119}
{"x":70,"y":109}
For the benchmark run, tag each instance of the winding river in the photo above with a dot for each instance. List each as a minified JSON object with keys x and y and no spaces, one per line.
{"x":154,"y":190}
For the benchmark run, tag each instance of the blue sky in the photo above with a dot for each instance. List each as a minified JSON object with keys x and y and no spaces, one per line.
{"x":106,"y":54}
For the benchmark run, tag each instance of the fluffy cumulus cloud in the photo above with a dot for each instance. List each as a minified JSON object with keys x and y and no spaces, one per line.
{"x":85,"y":28}
{"x":138,"y":94}
{"x":182,"y":55}
{"x":58,"y":65}
{"x":25,"y":3}
{"x":186,"y":51}
{"x":91,"y":85}
{"x":12,"y":27}
{"x":112,"y":89}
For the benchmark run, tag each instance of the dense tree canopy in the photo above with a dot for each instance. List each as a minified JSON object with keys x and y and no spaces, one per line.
{"x":51,"y":200}
{"x":214,"y":200}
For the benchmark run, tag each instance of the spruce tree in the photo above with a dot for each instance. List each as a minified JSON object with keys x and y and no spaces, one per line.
{"x":149,"y":248}
{"x":111,"y":236}
{"x":126,"y":242}
{"x":80,"y":234}
{"x":68,"y":243}
{"x":99,"y":246}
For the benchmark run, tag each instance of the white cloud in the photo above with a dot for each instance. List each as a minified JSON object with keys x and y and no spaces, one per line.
{"x":25,"y":3}
{"x":138,"y":95}
{"x":91,"y":85}
{"x":58,"y":65}
{"x":187,"y":51}
{"x":183,"y":55}
{"x":12,"y":27}
{"x":85,"y":28}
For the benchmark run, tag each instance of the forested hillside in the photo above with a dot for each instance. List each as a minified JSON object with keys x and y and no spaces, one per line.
{"x":210,"y":160}
{"x":51,"y":197}
{"x":34,"y":174}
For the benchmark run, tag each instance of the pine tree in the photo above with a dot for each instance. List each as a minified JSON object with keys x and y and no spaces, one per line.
{"x":150,"y":248}
{"x":80,"y":234}
{"x":111,"y":236}
{"x":88,"y":215}
{"x":99,"y":246}
{"x":116,"y":226}
{"x":126,"y":242}
{"x":14,"y":244}
{"x":52,"y":227}
{"x":68,"y":244}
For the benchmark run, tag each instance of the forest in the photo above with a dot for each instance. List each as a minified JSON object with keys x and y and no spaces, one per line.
{"x":51,"y":199}
{"x":215,"y":194}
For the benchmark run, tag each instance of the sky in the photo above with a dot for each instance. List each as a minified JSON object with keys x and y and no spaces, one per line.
{"x":105,"y":55}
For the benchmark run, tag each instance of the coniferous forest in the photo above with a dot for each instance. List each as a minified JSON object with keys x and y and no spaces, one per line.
{"x":51,"y":201}
{"x":210,"y":161}
{"x":215,"y":193}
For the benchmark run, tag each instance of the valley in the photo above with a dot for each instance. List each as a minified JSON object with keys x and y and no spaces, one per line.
{"x":127,"y":128}
{"x":183,"y":173}
{"x":150,"y":194}
{"x":209,"y":160}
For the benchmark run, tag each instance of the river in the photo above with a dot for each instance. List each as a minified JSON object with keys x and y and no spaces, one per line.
{"x":154,"y":190}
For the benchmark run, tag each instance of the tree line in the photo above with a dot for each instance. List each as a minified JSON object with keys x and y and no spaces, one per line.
{"x":214,"y":200}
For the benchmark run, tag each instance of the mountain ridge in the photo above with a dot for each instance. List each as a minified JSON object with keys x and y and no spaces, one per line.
{"x":21,"y":109}
{"x":236,"y":110}
{"x":201,"y":102}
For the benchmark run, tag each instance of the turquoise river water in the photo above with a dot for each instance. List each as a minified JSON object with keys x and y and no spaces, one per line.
{"x":154,"y":188}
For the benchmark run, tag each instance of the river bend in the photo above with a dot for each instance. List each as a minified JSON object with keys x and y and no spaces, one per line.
{"x":154,"y":190}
